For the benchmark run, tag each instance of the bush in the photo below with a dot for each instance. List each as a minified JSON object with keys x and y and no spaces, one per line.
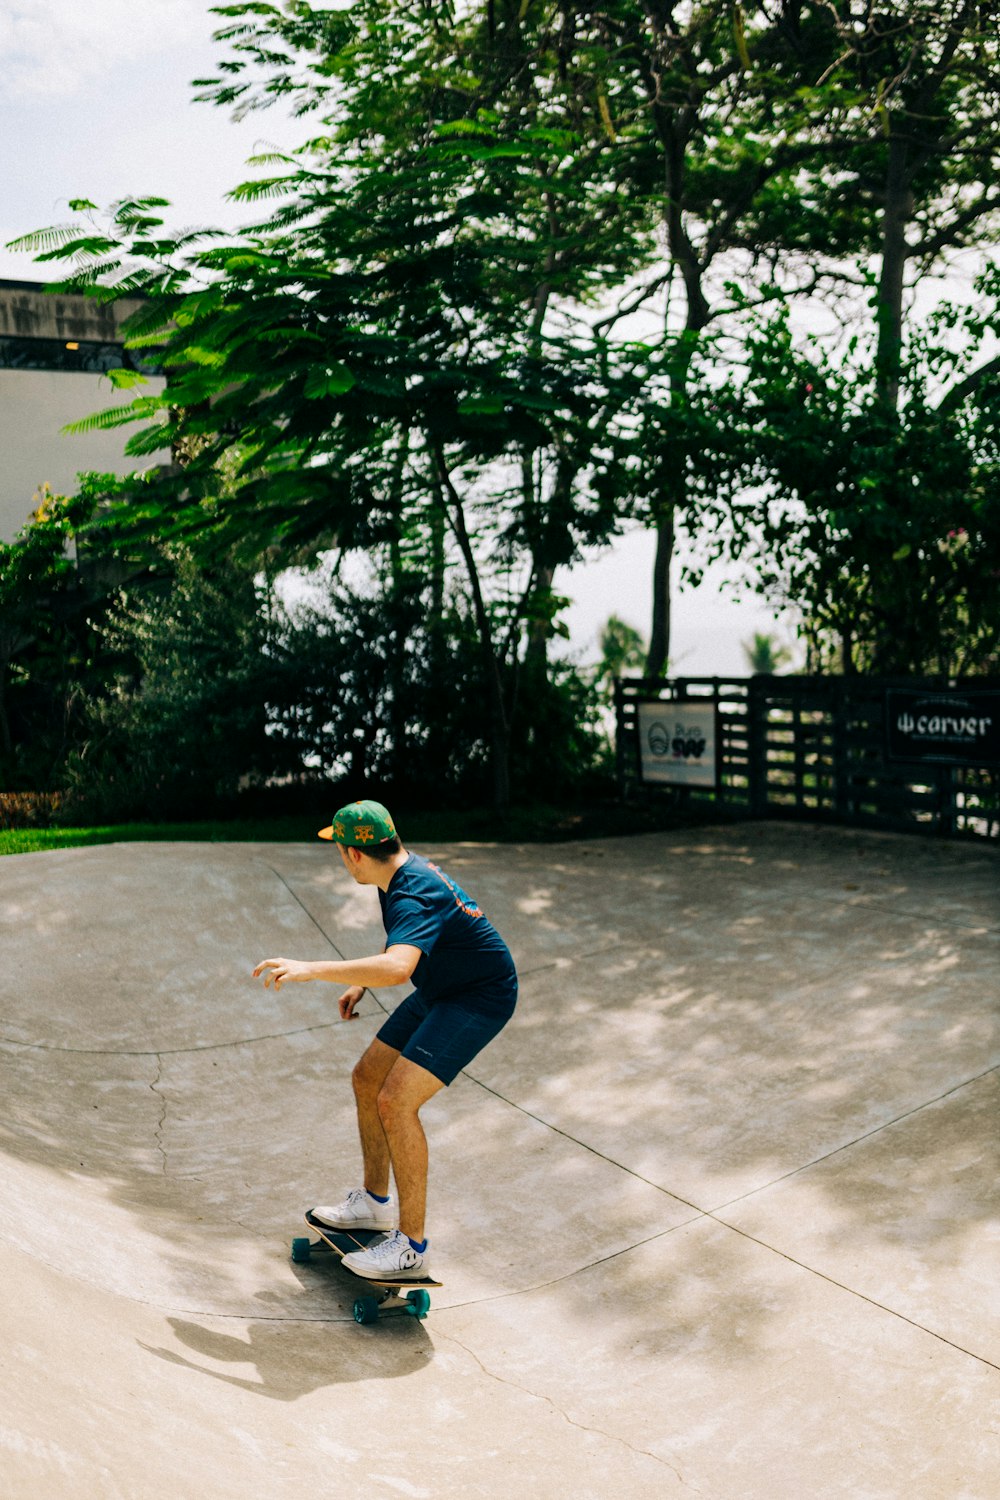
{"x":367,"y":693}
{"x":377,"y":692}
{"x":183,"y":727}
{"x":28,"y":809}
{"x":222,"y":702}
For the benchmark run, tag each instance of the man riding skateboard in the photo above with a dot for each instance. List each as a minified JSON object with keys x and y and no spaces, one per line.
{"x":465,"y":993}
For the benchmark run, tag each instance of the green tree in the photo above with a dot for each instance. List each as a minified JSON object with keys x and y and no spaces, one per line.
{"x":791,"y":142}
{"x":765,"y":654}
{"x":34,"y":569}
{"x":386,"y":355}
{"x":181,"y":729}
{"x":585,"y":142}
{"x":883,"y":534}
{"x":923,"y":134}
{"x":731,"y":121}
{"x":407,"y":710}
{"x":622,"y":650}
{"x":875,"y":455}
{"x":57,"y":579}
{"x":408,"y":354}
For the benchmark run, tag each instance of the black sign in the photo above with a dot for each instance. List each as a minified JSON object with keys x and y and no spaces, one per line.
{"x":949,"y":727}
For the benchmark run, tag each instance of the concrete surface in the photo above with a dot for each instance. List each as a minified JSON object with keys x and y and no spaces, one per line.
{"x":716,"y":1215}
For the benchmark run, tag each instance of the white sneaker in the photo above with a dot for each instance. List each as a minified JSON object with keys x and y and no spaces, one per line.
{"x":359,"y":1210}
{"x":391,"y":1259}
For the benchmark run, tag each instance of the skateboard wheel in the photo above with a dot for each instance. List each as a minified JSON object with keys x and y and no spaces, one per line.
{"x":366,"y":1310}
{"x":418,"y":1304}
{"x":301,"y":1249}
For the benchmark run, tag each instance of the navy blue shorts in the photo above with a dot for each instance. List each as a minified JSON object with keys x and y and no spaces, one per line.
{"x":443,"y":1037}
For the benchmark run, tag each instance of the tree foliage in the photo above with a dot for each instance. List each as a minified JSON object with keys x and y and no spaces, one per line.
{"x":57,"y":578}
{"x":622,"y":650}
{"x":389,"y":355}
{"x":882,"y":528}
{"x":923,"y":133}
{"x":180,"y":727}
{"x":540,"y":270}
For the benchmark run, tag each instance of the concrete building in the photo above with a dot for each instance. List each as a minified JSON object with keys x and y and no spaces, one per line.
{"x":55,"y":352}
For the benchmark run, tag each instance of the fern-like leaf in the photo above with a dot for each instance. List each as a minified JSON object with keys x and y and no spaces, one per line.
{"x":117,"y":416}
{"x":44,"y":239}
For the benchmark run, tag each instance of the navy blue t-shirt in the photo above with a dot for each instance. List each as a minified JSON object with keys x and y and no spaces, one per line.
{"x":463,"y":956}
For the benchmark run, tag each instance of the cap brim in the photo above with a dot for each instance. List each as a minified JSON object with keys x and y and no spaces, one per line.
{"x":326,"y":833}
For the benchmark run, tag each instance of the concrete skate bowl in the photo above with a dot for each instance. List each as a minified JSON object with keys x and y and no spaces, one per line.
{"x":725,"y":1172}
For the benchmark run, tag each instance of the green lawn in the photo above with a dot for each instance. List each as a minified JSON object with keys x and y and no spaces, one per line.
{"x":538,"y":824}
{"x":28,"y":840}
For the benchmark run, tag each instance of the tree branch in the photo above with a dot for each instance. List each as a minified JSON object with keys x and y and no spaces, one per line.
{"x":953,"y":399}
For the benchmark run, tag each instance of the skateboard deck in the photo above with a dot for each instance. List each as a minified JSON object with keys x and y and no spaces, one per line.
{"x":385,"y":1298}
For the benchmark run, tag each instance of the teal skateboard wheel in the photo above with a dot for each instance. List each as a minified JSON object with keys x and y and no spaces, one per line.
{"x":301,"y":1251}
{"x":418,"y":1304}
{"x":366,"y":1310}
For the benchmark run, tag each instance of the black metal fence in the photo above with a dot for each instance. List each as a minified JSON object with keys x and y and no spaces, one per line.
{"x":815,"y":748}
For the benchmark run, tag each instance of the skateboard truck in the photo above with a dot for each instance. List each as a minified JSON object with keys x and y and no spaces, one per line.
{"x":383,"y":1299}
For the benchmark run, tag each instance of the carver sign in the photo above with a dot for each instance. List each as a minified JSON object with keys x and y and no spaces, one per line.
{"x":949,"y":727}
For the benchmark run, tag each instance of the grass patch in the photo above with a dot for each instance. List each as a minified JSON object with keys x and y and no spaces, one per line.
{"x":541,"y":823}
{"x":264,"y":830}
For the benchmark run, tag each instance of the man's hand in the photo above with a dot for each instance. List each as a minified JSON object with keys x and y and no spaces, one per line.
{"x":282,"y":969}
{"x":349,"y":1000}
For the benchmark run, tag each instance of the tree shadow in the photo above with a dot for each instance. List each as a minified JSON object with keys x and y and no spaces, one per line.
{"x":703,"y":1015}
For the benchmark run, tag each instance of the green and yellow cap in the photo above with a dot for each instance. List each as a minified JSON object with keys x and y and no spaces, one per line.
{"x":360,"y":825}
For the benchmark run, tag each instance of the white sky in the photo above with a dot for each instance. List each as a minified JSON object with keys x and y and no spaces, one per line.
{"x":95,"y":102}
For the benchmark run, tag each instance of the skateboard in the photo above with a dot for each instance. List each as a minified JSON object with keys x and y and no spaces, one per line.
{"x":387,"y":1298}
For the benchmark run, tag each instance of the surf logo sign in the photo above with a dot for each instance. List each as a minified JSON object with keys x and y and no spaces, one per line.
{"x":678,"y":743}
{"x":950,"y":727}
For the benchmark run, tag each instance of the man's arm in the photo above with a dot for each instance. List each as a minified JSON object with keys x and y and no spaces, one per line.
{"x":382,"y":970}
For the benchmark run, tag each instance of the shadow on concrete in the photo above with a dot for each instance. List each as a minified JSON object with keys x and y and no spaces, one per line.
{"x":790,"y":1029}
{"x":291,"y":1361}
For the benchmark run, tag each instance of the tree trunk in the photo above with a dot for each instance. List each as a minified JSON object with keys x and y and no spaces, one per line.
{"x":536,"y":654}
{"x":658,"y":660}
{"x":437,"y":567}
{"x":672,"y":128}
{"x":897,"y":213}
{"x":499,"y":724}
{"x":6,"y":738}
{"x":847,"y":652}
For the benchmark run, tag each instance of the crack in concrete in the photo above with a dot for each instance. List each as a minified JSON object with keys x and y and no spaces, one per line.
{"x":232,"y":1042}
{"x":867,"y":1135}
{"x":611,"y":1437}
{"x":879,"y":903}
{"x":161,"y":1122}
{"x":852,"y":1291}
{"x":713,"y":1215}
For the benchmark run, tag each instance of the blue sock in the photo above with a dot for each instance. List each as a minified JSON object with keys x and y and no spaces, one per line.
{"x":418,"y":1245}
{"x":375,"y":1196}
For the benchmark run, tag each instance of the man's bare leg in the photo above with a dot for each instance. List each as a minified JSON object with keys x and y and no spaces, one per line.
{"x":368,"y":1078}
{"x":407,"y":1087}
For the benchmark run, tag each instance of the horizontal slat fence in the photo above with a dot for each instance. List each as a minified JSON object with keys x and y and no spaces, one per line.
{"x":814,"y":747}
